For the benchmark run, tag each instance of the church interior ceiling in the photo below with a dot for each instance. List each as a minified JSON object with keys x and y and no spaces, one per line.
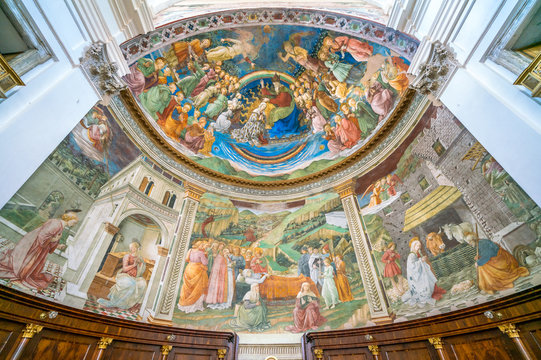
{"x":275,"y":98}
{"x":285,"y":96}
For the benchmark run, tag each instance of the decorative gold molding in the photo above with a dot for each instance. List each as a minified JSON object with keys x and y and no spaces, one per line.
{"x":162,"y":251}
{"x":374,"y":349}
{"x":193,"y":191}
{"x":30,"y":330}
{"x":166,"y":349}
{"x":436,"y":342}
{"x":222,"y":353}
{"x":318,"y":353}
{"x":530,"y":78}
{"x":346,"y":189}
{"x":110,"y":228}
{"x":509,"y":330}
{"x":148,"y":129}
{"x":104,"y":342}
{"x":8,"y":77}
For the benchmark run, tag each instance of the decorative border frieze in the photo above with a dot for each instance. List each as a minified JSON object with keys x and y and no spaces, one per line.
{"x":142,"y":45}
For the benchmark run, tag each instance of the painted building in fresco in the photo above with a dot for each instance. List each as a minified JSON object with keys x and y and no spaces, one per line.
{"x":430,"y":223}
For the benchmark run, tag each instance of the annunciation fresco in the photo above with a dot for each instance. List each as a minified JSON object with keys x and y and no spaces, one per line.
{"x":269,"y":102}
{"x":46,"y":213}
{"x":283,"y":267}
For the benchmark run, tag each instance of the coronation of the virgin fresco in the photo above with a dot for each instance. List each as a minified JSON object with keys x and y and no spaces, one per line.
{"x":269,"y":102}
{"x":105,"y":226}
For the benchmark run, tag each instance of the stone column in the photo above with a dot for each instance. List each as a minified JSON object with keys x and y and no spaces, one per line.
{"x":169,"y":289}
{"x":377,"y":303}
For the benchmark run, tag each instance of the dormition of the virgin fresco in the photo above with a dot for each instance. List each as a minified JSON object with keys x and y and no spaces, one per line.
{"x":449,"y":228}
{"x":272,"y":268}
{"x":271,"y":102}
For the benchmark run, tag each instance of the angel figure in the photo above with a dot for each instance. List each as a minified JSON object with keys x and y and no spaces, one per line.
{"x":377,"y":189}
{"x":394,"y":73}
{"x":242,"y":46}
{"x":391,"y":181}
{"x":294,"y":51}
{"x":94,"y":136}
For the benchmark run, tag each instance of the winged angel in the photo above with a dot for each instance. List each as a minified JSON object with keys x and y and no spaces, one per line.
{"x":244,"y":46}
{"x":294,"y":51}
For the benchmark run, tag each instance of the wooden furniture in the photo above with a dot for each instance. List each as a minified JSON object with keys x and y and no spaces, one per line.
{"x":105,"y":278}
{"x":33,"y":328}
{"x":505,"y":329}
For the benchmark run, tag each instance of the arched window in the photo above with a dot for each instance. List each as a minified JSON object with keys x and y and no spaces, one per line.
{"x":166,"y":197}
{"x":172,"y":201}
{"x":149,"y":188}
{"x":144,"y":184}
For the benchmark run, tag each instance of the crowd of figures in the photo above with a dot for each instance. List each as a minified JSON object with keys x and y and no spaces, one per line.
{"x":496,"y":269}
{"x":341,"y":92}
{"x":220,"y":276}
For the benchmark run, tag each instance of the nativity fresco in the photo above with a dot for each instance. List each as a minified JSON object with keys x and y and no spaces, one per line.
{"x":449,"y":228}
{"x":269,"y":102}
{"x":273,"y":268}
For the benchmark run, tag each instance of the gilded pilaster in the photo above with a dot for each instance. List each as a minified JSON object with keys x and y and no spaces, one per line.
{"x":373,"y":288}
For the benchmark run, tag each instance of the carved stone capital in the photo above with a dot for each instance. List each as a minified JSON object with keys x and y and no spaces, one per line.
{"x":510,"y":330}
{"x":111,"y":229}
{"x":193,"y":191}
{"x":346,"y":189}
{"x":162,"y":251}
{"x":101,"y":71}
{"x":166,"y":349}
{"x":30,"y":330}
{"x":374,"y":349}
{"x":435,"y":72}
{"x":104,"y":342}
{"x":436,"y":342}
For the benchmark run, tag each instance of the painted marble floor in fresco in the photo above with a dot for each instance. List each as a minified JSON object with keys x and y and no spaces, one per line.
{"x":92,"y":305}
{"x":471,"y":297}
{"x":281,"y":316}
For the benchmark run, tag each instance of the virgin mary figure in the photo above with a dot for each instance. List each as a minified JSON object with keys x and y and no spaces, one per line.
{"x":421,"y":280}
{"x":130,"y":286}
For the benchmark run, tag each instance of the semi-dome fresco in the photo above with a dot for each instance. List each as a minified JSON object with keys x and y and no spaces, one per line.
{"x":271,"y":102}
{"x":105,"y":224}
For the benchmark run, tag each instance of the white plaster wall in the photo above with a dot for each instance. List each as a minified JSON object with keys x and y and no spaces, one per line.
{"x":502,"y":116}
{"x":36,"y":117}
